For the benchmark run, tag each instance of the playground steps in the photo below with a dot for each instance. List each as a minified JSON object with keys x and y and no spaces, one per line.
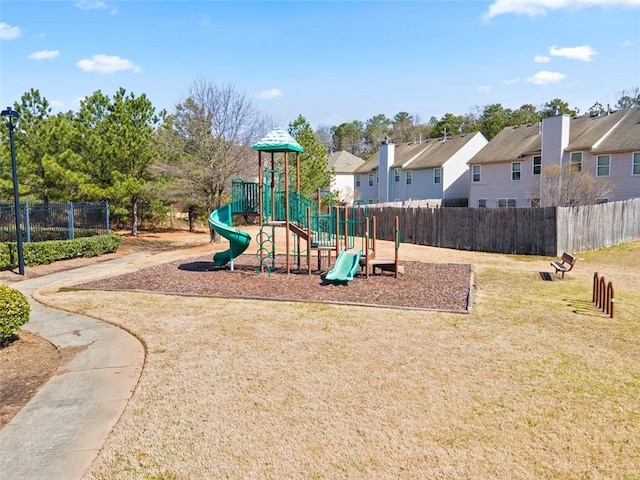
{"x":301,"y":232}
{"x":382,"y":264}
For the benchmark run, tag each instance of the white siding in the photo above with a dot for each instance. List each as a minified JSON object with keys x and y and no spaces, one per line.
{"x":364,"y":191}
{"x":344,"y":184}
{"x":421,"y":188}
{"x":495,"y":182}
{"x":624,"y":184}
{"x":455,"y":179}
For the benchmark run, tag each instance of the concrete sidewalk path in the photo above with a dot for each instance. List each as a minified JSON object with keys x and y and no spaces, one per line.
{"x":60,"y":431}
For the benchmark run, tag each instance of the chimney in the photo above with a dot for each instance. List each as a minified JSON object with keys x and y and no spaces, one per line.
{"x":555,"y":138}
{"x":386,"y":158}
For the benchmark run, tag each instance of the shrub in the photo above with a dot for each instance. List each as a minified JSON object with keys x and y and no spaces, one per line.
{"x":42,"y":253}
{"x":14,"y":311}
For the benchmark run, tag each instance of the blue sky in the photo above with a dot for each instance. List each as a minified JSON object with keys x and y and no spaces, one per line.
{"x":331,"y":61}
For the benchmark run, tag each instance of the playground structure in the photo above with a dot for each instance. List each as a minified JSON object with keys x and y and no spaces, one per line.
{"x":275,"y":199}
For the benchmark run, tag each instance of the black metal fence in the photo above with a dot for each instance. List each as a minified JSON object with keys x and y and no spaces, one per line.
{"x":54,"y":221}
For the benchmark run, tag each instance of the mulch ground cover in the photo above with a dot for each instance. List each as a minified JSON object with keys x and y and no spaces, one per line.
{"x":431,"y":286}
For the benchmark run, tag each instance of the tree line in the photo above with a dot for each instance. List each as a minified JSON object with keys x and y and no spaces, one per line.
{"x":363,"y":138}
{"x":121,"y":149}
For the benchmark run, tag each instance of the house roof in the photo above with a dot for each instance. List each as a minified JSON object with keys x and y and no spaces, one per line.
{"x":278,"y":140}
{"x":625,"y":137}
{"x":344,"y":162}
{"x":431,"y":153}
{"x":439,"y":152}
{"x":617,"y":132}
{"x":585,"y":131}
{"x":510,"y":144}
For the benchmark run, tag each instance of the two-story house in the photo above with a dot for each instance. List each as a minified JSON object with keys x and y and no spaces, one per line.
{"x":342,"y":165}
{"x":509,"y":171}
{"x":431,"y":169}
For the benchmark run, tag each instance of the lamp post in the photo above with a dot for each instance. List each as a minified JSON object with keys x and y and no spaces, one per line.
{"x":11,"y":117}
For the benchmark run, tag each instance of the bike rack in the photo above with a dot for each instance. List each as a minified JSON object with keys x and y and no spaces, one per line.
{"x":602,"y":295}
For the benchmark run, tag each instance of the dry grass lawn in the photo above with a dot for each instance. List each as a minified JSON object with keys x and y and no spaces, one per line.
{"x":535,"y":383}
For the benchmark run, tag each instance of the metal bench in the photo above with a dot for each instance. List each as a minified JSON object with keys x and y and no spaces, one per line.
{"x":565,"y":264}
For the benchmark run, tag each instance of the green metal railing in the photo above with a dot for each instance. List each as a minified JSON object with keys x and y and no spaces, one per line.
{"x":298,"y":205}
{"x":244,"y":196}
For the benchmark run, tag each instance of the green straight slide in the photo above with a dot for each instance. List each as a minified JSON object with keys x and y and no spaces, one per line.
{"x":221,"y":220}
{"x":345,"y":268}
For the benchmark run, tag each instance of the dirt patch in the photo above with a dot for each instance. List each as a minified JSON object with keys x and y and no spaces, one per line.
{"x":28,"y":361}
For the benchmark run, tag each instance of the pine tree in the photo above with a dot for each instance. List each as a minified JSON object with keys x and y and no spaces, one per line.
{"x":314,"y":172}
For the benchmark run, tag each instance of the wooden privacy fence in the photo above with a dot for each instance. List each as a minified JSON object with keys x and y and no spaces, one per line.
{"x":581,"y":229}
{"x":530,"y":231}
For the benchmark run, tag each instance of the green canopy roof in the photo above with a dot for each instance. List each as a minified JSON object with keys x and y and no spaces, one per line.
{"x":278,"y":140}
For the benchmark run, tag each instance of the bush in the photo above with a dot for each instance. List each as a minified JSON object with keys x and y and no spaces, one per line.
{"x":42,"y":253}
{"x":14,"y":311}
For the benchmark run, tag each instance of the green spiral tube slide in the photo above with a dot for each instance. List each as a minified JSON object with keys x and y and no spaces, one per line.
{"x":221,"y":221}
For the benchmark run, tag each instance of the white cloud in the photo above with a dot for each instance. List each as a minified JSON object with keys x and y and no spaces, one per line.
{"x":56,"y":104}
{"x":44,"y":55}
{"x":484,"y":88}
{"x":544,"y":77}
{"x":107,"y":64}
{"x":542,"y":7}
{"x":95,"y":5}
{"x":91,"y":5}
{"x":541,"y":59}
{"x":271,"y":93}
{"x":7,"y":32}
{"x":511,"y":81}
{"x":584,"y":52}
{"x":627,"y":43}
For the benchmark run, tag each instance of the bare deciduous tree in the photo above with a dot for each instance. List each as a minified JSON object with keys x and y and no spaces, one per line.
{"x":207,"y":142}
{"x":563,"y":186}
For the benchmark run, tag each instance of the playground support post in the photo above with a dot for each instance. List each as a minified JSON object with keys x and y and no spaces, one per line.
{"x":346,"y":228}
{"x":337,"y":228}
{"x":309,"y":241}
{"x":374,"y":227}
{"x":366,"y":250}
{"x":397,"y":259}
{"x":286,"y":209}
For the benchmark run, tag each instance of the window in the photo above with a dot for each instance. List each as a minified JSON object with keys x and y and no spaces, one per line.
{"x":537,"y":165}
{"x":377,"y":176}
{"x":506,"y":202}
{"x":437,"y":175}
{"x":516,"y":169}
{"x":396,"y":175}
{"x":371,"y":179}
{"x":370,"y":201}
{"x":603,"y":165}
{"x":602,"y":200}
{"x":408,"y":176}
{"x":535,"y":203}
{"x":475,"y":173}
{"x":482,"y":203}
{"x":576,"y":162}
{"x":357,"y":180}
{"x":636,"y":164}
